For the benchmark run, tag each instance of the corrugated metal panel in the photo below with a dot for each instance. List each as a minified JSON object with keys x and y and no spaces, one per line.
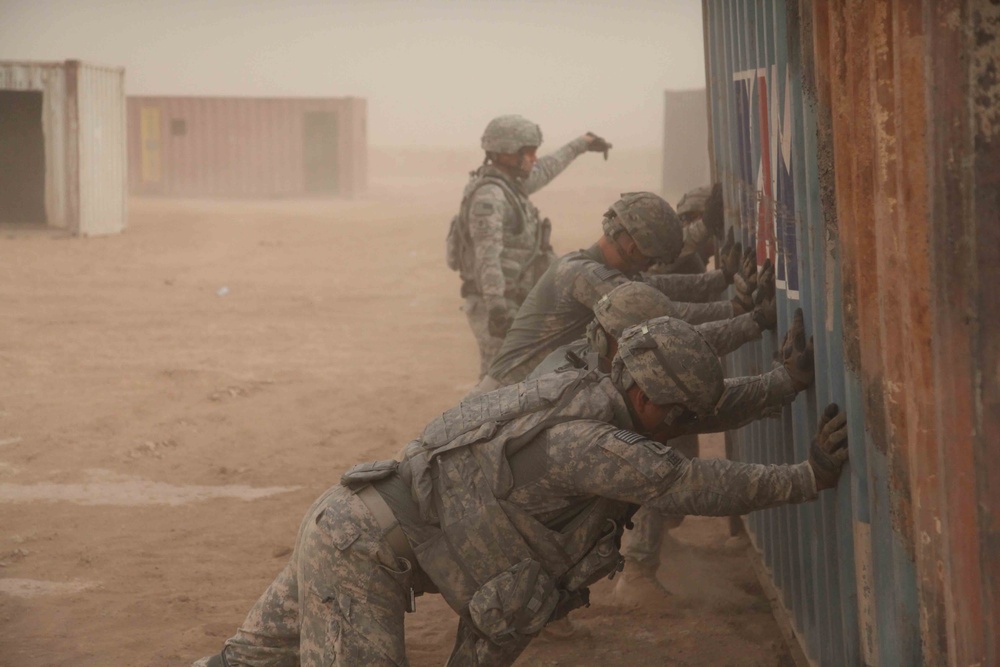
{"x":100,"y":97}
{"x":50,"y":79}
{"x":857,"y":142}
{"x":239,"y":147}
{"x":685,"y":138}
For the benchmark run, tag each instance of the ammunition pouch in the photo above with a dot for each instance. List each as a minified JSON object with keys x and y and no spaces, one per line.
{"x":518,"y":601}
{"x":602,"y":559}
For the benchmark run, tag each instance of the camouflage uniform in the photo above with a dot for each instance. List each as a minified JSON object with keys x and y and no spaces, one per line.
{"x":561,"y":305}
{"x":507,"y":244}
{"x":746,"y":399}
{"x":514,"y":503}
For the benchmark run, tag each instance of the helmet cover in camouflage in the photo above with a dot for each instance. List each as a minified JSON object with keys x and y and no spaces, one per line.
{"x":672,"y":363}
{"x":629,"y":304}
{"x":693,"y":202}
{"x":509,"y":134}
{"x":650,"y":221}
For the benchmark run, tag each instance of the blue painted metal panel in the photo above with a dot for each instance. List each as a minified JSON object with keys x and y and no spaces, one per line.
{"x":764,"y":143}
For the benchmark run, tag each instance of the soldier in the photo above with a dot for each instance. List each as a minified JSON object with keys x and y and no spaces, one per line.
{"x":633,"y":302}
{"x":499,"y":242}
{"x":746,"y":399}
{"x":638,"y":229}
{"x":701,"y":213}
{"x":510,"y":505}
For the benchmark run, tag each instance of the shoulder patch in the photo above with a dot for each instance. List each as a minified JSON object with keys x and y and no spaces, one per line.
{"x":631,"y":437}
{"x":606,"y":272}
{"x":482,"y":208}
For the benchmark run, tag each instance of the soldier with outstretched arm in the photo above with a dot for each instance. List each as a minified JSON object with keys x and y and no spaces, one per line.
{"x":499,"y":242}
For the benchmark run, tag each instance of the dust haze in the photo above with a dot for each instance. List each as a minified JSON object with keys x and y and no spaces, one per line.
{"x":434,"y":72}
{"x":173,"y":398}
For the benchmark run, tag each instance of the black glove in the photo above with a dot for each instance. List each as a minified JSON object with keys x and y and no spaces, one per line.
{"x":715,"y":212}
{"x":797,"y":354}
{"x":829,"y":450}
{"x":500,"y":320}
{"x":748,"y":268}
{"x":765,"y":282}
{"x":598,"y":145}
{"x":729,"y":257}
{"x":765,"y":314}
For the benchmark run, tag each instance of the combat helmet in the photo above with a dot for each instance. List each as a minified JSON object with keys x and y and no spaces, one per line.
{"x":508,"y":134}
{"x":692,"y":204}
{"x":672,"y":363}
{"x":626,"y":305}
{"x":650,"y":221}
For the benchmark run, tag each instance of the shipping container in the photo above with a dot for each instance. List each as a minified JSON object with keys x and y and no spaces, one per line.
{"x":246,"y":147}
{"x":685,"y":141}
{"x":62,"y":146}
{"x":859,"y":147}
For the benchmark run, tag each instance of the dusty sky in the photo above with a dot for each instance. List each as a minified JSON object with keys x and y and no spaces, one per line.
{"x":434,"y":71}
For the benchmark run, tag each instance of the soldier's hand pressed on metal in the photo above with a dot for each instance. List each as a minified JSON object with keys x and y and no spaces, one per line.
{"x":765,"y":314}
{"x":730,"y":256}
{"x":829,"y":450}
{"x":748,"y":268}
{"x":596,"y":144}
{"x":765,"y":282}
{"x":797,"y":353}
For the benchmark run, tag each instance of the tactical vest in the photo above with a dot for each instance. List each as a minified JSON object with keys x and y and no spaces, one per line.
{"x":526,"y":251}
{"x":471,"y":536}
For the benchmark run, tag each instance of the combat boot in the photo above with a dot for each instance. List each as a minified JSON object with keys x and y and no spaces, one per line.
{"x":637,"y":586}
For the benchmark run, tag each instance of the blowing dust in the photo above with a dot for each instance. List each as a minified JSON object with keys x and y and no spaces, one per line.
{"x":163,"y":436}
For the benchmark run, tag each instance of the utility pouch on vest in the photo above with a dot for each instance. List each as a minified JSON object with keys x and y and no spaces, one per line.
{"x":453,"y":244}
{"x":365,"y":473}
{"x":518,"y":601}
{"x":603,"y":559}
{"x":545,"y":234}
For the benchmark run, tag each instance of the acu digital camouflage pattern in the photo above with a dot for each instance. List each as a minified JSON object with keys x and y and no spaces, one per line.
{"x":672,"y":363}
{"x":506,"y":248}
{"x":650,"y":221}
{"x":503,"y":475}
{"x":561,"y":304}
{"x":478,"y":316}
{"x":692,"y":204}
{"x":495,"y":479}
{"x":635,"y":302}
{"x":338,"y":602}
{"x":509,"y":134}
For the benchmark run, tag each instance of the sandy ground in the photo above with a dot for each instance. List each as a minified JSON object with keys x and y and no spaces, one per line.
{"x":173,"y":398}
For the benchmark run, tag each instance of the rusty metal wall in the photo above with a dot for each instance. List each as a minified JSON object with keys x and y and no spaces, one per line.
{"x":83,"y":125}
{"x":857,"y":141}
{"x":685,"y":142}
{"x":237,"y":147}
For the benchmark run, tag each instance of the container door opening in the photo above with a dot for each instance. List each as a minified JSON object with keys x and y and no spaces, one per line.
{"x":22,"y":157}
{"x":320,"y":152}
